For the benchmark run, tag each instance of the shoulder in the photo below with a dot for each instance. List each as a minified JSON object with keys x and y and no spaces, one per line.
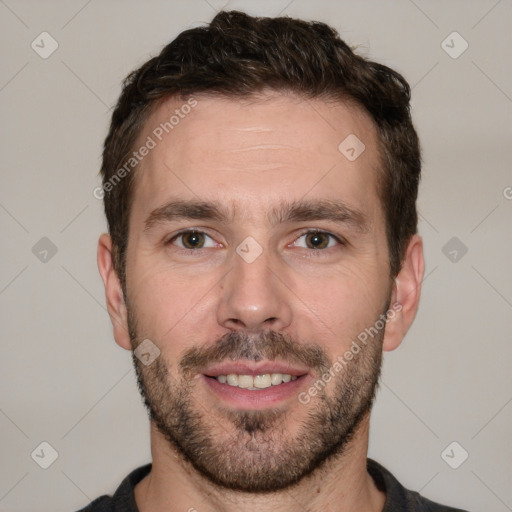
{"x":123,"y":499}
{"x":399,"y":498}
{"x":101,"y":504}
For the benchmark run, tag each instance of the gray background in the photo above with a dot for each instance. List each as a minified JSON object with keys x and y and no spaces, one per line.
{"x":63,"y":379}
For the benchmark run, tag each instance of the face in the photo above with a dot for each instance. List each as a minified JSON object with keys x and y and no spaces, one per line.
{"x":257,"y":254}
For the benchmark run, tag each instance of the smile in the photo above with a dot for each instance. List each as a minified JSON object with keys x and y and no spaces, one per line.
{"x":255,"y":382}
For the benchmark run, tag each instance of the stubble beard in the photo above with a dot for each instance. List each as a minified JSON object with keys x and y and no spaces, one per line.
{"x":254,"y":451}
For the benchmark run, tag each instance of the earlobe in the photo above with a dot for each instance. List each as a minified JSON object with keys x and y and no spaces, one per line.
{"x":113,"y":292}
{"x":406,"y":294}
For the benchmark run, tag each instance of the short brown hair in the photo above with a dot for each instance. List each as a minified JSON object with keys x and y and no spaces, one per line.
{"x":237,"y":55}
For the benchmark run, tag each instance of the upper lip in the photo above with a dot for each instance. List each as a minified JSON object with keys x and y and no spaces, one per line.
{"x":253,"y":368}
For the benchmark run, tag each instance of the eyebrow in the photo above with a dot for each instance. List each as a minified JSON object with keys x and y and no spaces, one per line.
{"x":299,"y":211}
{"x":330,"y":210}
{"x":175,"y":210}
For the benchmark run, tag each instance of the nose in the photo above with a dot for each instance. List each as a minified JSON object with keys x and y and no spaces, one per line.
{"x":254,"y":298}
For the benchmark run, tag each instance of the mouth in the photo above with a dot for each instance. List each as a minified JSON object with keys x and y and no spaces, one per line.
{"x":253,"y":386}
{"x":253,"y":383}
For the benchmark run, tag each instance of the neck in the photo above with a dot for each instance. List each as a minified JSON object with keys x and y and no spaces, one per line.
{"x":173,"y":484}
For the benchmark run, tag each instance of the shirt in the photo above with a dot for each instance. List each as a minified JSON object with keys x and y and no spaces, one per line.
{"x":398,"y":499}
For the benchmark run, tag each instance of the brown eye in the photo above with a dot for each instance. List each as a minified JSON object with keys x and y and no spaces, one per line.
{"x":193,"y":240}
{"x":317,"y":240}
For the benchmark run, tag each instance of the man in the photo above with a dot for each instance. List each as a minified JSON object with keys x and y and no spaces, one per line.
{"x":260,"y":182}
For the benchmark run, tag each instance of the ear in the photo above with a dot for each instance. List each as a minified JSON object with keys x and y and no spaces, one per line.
{"x":405,"y":297}
{"x":113,"y":292}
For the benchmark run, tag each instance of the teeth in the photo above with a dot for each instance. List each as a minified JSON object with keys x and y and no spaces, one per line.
{"x":276,"y":378}
{"x":232,"y":379}
{"x":262,"y":381}
{"x":245,"y":381}
{"x":257,"y":382}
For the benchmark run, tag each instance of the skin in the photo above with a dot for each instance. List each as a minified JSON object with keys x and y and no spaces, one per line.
{"x":251,"y":156}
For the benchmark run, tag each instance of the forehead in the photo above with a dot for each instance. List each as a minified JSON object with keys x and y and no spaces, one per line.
{"x":257,"y":152}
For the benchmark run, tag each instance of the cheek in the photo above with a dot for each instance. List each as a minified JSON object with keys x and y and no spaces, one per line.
{"x":169,"y":309}
{"x":337,"y":307}
{"x":349,"y":284}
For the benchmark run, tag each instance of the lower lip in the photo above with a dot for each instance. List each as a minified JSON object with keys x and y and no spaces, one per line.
{"x":255,"y":399}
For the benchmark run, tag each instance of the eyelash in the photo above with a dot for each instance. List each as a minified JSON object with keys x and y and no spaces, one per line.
{"x":316,"y":252}
{"x":339,"y":240}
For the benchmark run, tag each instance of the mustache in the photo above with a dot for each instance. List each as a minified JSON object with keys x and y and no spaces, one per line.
{"x":269,"y":345}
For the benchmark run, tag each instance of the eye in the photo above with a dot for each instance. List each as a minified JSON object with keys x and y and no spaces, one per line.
{"x":316,"y":240}
{"x":192,"y":240}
